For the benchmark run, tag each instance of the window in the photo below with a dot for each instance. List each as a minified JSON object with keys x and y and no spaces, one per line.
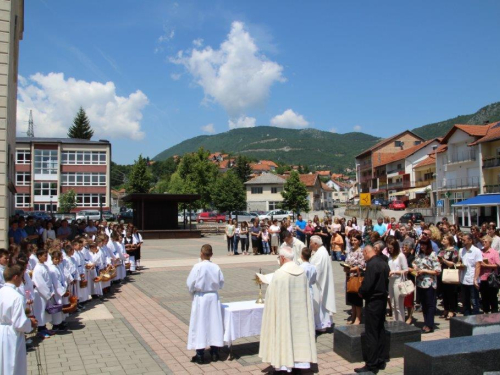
{"x":83,"y":179}
{"x":398,"y":143}
{"x":23,"y":178}
{"x":45,"y":188}
{"x":23,"y":156}
{"x":399,"y":166}
{"x":428,"y":176}
{"x":274,"y":206}
{"x":46,"y":162}
{"x":23,"y":200}
{"x":90,"y":200}
{"x":83,"y":157}
{"x":275,"y":190}
{"x":417,"y":142}
{"x":45,"y":207}
{"x":256,"y":190}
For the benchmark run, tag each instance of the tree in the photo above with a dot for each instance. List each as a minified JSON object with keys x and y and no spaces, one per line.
{"x":81,"y":126}
{"x":67,"y":201}
{"x":295,"y":194}
{"x":229,"y":193}
{"x":139,"y":178}
{"x":242,"y":168}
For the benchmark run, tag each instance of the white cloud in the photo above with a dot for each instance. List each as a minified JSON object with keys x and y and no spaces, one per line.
{"x":56,"y":100}
{"x":209,"y":128}
{"x":333,"y":130}
{"x":175,"y":76}
{"x":167,"y":36}
{"x":242,"y":122}
{"x":289,"y":119}
{"x":236,"y":76}
{"x":357,"y":128}
{"x":198,"y":42}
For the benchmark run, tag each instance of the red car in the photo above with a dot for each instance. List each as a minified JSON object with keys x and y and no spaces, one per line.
{"x":397,"y":205}
{"x":210,"y":217}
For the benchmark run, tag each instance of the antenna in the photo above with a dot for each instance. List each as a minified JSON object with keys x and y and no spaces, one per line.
{"x":30,"y":133}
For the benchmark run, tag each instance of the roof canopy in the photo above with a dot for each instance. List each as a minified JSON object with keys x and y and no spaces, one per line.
{"x":480,"y":200}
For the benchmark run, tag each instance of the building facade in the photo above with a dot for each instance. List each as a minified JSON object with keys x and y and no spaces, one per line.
{"x":11,"y":32}
{"x":48,"y":167}
{"x":264,"y":192}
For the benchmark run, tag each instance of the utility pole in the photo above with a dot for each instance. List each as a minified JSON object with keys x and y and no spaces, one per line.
{"x":31,"y":132}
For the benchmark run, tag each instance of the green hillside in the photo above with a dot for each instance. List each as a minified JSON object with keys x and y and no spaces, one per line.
{"x":312,"y":147}
{"x":489,"y":113}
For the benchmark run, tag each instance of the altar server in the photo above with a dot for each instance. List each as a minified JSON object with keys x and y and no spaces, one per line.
{"x":44,"y":291}
{"x":13,"y":324}
{"x":4,"y":260}
{"x":324,"y":289}
{"x":310,"y":271}
{"x":59,"y":285}
{"x":287,"y":337}
{"x":205,"y":326}
{"x":296,"y":244}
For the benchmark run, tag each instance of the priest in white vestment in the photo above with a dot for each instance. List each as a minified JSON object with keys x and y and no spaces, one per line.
{"x":13,"y":324}
{"x":324,"y":289}
{"x":205,"y":326}
{"x":296,"y":245}
{"x":287,"y":336}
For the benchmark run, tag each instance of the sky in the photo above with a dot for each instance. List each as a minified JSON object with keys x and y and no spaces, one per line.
{"x":151,"y":74}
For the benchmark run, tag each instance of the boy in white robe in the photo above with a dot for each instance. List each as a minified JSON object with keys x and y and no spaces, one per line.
{"x":4,"y":260}
{"x":72,"y":266}
{"x":83,"y":292}
{"x":97,"y":263}
{"x":44,"y":291}
{"x":59,"y":285}
{"x":311,"y":274}
{"x":205,"y":326}
{"x":13,"y":324}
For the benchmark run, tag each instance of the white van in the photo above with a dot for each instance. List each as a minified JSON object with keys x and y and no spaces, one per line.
{"x":88,"y":215}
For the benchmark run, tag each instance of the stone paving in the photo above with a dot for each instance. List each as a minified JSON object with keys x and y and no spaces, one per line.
{"x":142,"y":327}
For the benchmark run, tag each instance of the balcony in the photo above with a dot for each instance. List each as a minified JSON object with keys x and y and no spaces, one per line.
{"x":422,"y":183}
{"x":456,"y":183}
{"x":395,"y":172}
{"x":365,"y":165}
{"x":365,"y":178}
{"x":395,"y":185}
{"x":491,"y":162}
{"x":488,"y":189}
{"x":461,"y":156}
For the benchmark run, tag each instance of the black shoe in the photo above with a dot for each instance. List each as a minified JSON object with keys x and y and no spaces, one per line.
{"x":215,"y":357}
{"x":365,"y":369}
{"x":198,"y":359}
{"x":382,"y":365}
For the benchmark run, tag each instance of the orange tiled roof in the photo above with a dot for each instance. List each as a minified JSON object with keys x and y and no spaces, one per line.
{"x":323,"y":173}
{"x":492,"y":134}
{"x":307,"y":179}
{"x":403,"y":154}
{"x":325,"y":187}
{"x":260,"y":167}
{"x":429,"y":160}
{"x":269,"y":162}
{"x":472,"y":130}
{"x":387,"y":140}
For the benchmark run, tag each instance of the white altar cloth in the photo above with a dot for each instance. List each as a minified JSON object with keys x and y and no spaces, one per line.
{"x":241,"y":319}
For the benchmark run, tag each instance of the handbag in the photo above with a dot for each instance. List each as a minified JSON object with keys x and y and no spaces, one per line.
{"x":494,"y":281}
{"x":451,"y":275}
{"x":406,"y":286}
{"x":354,"y":283}
{"x":53,"y":308}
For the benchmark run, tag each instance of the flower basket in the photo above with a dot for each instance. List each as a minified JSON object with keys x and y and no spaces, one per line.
{"x":83,"y":283}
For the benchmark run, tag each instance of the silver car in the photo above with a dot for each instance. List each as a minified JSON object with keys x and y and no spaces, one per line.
{"x":88,"y":215}
{"x":276,"y":214}
{"x":242,"y":216}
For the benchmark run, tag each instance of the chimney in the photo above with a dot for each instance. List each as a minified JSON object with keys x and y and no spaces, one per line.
{"x":486,"y":122}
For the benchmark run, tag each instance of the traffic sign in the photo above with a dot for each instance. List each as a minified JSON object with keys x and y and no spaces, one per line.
{"x":365,"y":199}
{"x":440,"y":203}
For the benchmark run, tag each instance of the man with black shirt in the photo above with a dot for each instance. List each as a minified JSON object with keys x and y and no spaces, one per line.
{"x":374,"y":290}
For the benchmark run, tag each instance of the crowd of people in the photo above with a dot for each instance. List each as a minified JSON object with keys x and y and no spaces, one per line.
{"x":52,"y":269}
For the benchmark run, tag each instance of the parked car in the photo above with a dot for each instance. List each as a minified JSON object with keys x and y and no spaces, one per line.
{"x":210,"y":217}
{"x":21,"y":213}
{"x":126,"y":216}
{"x":415,"y":217}
{"x":381,"y":202}
{"x":108,"y":216}
{"x":242,"y":216}
{"x":397,"y":205}
{"x":276,"y":214}
{"x":88,"y":215}
{"x":40,"y":215}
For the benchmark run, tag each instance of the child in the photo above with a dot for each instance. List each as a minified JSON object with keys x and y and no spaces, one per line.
{"x":97,"y":264}
{"x":310,"y":271}
{"x":83,"y":294}
{"x":4,"y":261}
{"x":59,"y":285}
{"x":13,"y":324}
{"x":71,"y":267}
{"x":44,"y":291}
{"x":265,"y":241}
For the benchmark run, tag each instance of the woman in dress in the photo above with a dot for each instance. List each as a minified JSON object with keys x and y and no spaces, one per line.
{"x":356,"y":261}
{"x":229,"y":231}
{"x":274,"y":232}
{"x":399,"y":267}
{"x":48,"y":232}
{"x":409,"y":252}
{"x":367,"y":230}
{"x":490,"y":264}
{"x":448,"y":257}
{"x":427,"y":266}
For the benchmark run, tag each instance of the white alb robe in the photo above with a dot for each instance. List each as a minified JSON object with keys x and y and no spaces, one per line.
{"x":43,"y":293}
{"x":26,"y":289}
{"x":83,"y":293}
{"x":287,"y":337}
{"x":2,"y":280}
{"x":205,"y":326}
{"x":13,"y":325}
{"x":59,"y":286}
{"x":324,"y":289}
{"x":311,"y":274}
{"x":32,"y":261}
{"x":297,"y":246}
{"x":99,"y":264}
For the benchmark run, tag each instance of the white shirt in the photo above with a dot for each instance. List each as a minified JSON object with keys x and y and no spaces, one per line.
{"x":469,"y":260}
{"x":398,"y":264}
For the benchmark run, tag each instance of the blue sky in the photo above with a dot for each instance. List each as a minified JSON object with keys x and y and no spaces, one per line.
{"x":151,"y":74}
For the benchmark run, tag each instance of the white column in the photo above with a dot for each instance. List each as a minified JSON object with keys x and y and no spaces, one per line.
{"x":463,"y":215}
{"x":468,"y":216}
{"x":498,"y":216}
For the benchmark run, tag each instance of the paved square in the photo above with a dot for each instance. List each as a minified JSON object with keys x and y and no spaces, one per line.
{"x":142,"y":327}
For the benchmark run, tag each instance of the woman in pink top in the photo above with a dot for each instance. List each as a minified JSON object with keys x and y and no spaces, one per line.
{"x":491,"y":262}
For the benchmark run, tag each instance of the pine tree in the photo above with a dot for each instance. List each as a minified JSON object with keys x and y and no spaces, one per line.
{"x":295,"y":194}
{"x":139,"y":178}
{"x":242,"y":168}
{"x":81,"y":126}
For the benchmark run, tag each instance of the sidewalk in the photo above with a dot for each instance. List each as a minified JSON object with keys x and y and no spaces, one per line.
{"x":142,"y":328}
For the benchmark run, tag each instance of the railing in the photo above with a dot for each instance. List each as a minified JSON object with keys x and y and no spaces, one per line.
{"x":365,"y":165}
{"x":491,"y":162}
{"x":395,"y":171}
{"x":456,"y":183}
{"x":366,"y":178}
{"x":422,"y":183}
{"x":491,"y":189}
{"x":462,"y":156}
{"x":395,"y":185}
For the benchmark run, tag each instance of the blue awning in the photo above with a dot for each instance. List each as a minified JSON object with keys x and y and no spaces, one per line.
{"x":480,"y":200}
